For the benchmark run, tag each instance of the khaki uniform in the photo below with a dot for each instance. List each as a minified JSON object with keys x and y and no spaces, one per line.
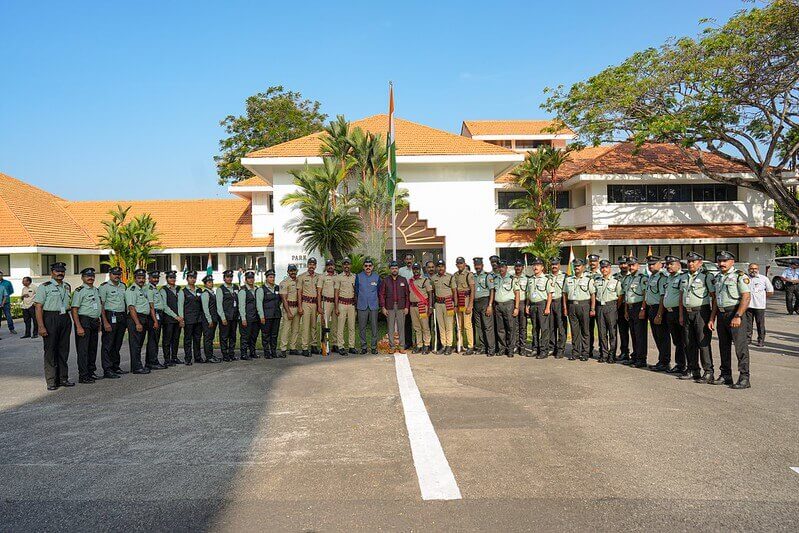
{"x":345,"y":285}
{"x":442,"y":285}
{"x":290,"y":326}
{"x":464,"y":284}
{"x":306,"y":286}
{"x":421,"y":325}
{"x":327,"y":284}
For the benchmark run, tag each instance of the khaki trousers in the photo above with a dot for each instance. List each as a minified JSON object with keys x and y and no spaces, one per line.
{"x":421,"y":328}
{"x":290,"y":332}
{"x":445,"y":324}
{"x":465,"y":328}
{"x":308,"y":326}
{"x":346,"y":318}
{"x":329,"y":314}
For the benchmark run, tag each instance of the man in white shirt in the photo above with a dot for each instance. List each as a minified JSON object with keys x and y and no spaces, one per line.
{"x":761,"y":289}
{"x":791,"y":279}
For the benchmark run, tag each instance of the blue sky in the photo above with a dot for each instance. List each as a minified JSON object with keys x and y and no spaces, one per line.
{"x":106,"y":100}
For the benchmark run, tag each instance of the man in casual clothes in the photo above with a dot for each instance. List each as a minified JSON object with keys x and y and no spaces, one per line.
{"x":761,"y":289}
{"x":367,"y":286}
{"x":28,"y":312}
{"x":790,"y":277}
{"x":395,"y":302}
{"x":6,"y":307}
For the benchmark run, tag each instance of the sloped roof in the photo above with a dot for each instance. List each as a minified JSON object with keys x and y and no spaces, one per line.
{"x":512,"y":127}
{"x":577,"y":159}
{"x":412,"y":139}
{"x":255,"y":181}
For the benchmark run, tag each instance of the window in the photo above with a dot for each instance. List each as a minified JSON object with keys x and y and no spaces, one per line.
{"x":504,"y":198}
{"x":47,"y":260}
{"x":245,"y":261}
{"x":161,"y":262}
{"x":505,"y":144}
{"x":709,"y":192}
{"x":104,"y":268}
{"x":510,"y":255}
{"x":197,"y":261}
{"x":5,"y":264}
{"x":524,"y":144}
{"x":562,"y":200}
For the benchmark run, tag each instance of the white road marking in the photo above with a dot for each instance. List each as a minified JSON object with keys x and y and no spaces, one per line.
{"x":436,"y":480}
{"x":795,"y":469}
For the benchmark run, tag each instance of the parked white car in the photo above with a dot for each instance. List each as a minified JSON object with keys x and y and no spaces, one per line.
{"x":776,"y":267}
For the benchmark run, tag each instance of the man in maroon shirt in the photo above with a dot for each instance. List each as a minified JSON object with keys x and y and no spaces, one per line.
{"x":395,"y":303}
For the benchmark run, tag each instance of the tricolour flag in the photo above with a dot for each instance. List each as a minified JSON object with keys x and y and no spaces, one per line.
{"x":570,"y":266}
{"x":185,"y":268}
{"x":209,"y":268}
{"x":649,"y":251}
{"x":391,"y":147}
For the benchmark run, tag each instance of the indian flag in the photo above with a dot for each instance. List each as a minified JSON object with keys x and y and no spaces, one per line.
{"x":570,"y":266}
{"x":209,"y":268}
{"x":391,"y":147}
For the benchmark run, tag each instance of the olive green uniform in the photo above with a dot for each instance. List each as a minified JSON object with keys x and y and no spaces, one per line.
{"x":420,"y":324}
{"x":655,"y":289}
{"x":140,"y":299}
{"x":116,"y":317}
{"x":540,"y":288}
{"x":608,"y":291}
{"x":697,"y":292}
{"x":506,"y":291}
{"x":634,"y":287}
{"x":521,"y":318}
{"x":482,"y":324}
{"x":326,"y":285}
{"x":306,"y":286}
{"x":578,"y":290}
{"x":557,"y":318}
{"x":671,"y":301}
{"x":730,"y":288}
{"x":54,"y":300}
{"x":86,"y":300}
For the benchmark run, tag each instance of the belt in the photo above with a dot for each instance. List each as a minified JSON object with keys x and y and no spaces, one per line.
{"x":55,"y":313}
{"x":346,"y":301}
{"x":309,"y":299}
{"x":578,"y":301}
{"x":696,"y":309}
{"x":730,"y":309}
{"x":329,"y":299}
{"x":466,"y":292}
{"x":414,"y":304}
{"x":672,"y":309}
{"x":441,"y":300}
{"x":292,"y":304}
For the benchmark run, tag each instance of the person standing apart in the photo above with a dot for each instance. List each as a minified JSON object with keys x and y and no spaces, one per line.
{"x":483,"y":314}
{"x":141,"y":320}
{"x":52,"y":301}
{"x":670,"y":310}
{"x":697,"y":305}
{"x":367,"y":287}
{"x":250,"y":323}
{"x":634,"y":287}
{"x":290,"y":331}
{"x":28,"y":312}
{"x":9,"y":290}
{"x":394,"y":301}
{"x":444,"y":288}
{"x":732,"y":298}
{"x":114,"y":317}
{"x":309,"y":308}
{"x":227,"y":307}
{"x":268,"y":303}
{"x":345,"y":307}
{"x":558,"y":318}
{"x":608,"y":294}
{"x":539,"y":308}
{"x":655,"y":288}
{"x":172,"y":322}
{"x":3,"y":296}
{"x":464,"y":290}
{"x":190,"y":311}
{"x":210,"y":319}
{"x":790,"y":278}
{"x":579,"y":300}
{"x":761,"y":289}
{"x":506,"y":309}
{"x":86,"y":318}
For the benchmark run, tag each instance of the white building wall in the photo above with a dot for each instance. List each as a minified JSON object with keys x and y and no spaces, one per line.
{"x":262,"y":216}
{"x":288,"y":248}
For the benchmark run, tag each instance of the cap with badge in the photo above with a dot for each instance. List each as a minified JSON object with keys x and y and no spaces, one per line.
{"x":460,"y":261}
{"x":269,"y":272}
{"x":330,"y":262}
{"x":554,"y":261}
{"x":578,"y":262}
{"x":393,"y":264}
{"x":593,"y":257}
{"x":493,"y":259}
{"x":693,"y":256}
{"x":441,"y":262}
{"x":155,"y":274}
{"x":632,"y":260}
{"x":227,"y":273}
{"x":206,"y":279}
{"x":312,"y":261}
{"x":724,"y":255}
{"x":652,"y":259}
{"x":477,"y":260}
{"x":58,"y":267}
{"x":622,"y":260}
{"x":604,"y":263}
{"x":518,"y":263}
{"x":117,"y":271}
{"x":537,"y":261}
{"x":191,"y":274}
{"x":671,"y":259}
{"x":249,"y":274}
{"x":292,"y":268}
{"x":139,"y":272}
{"x":171,"y":274}
{"x":794,"y":262}
{"x":346,"y":261}
{"x":89,"y":271}
{"x":502,"y":262}
{"x":416,"y":266}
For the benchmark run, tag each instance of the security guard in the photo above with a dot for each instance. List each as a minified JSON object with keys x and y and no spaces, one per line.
{"x":140,"y":319}
{"x":250,"y":323}
{"x":290,"y":332}
{"x":483,"y":314}
{"x":114,"y":317}
{"x":52,"y":302}
{"x":309,"y":308}
{"x":623,"y":323}
{"x":634,"y":287}
{"x":345,"y":308}
{"x":671,"y":312}
{"x":732,"y":297}
{"x":420,"y":295}
{"x":540,"y":288}
{"x":579,"y":299}
{"x":267,"y":298}
{"x":655,"y":288}
{"x":190,"y":311}
{"x":159,"y":305}
{"x":507,"y":299}
{"x":464,"y":291}
{"x":172,"y":322}
{"x":697,"y":305}
{"x":522,"y":280}
{"x":86,"y":317}
{"x":592,"y":272}
{"x":227,"y":307}
{"x":558,"y":318}
{"x":444,"y":288}
{"x":608,"y":295}
{"x":326,"y":298}
{"x":209,"y":319}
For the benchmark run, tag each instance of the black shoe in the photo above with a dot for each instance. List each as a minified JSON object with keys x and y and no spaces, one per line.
{"x":169,"y":362}
{"x":761,"y":343}
{"x":111,"y":375}
{"x":296,"y":352}
{"x":601,"y":360}
{"x":25,"y":337}
{"x":364,"y":351}
{"x":52,"y":387}
{"x":178,"y":361}
{"x":624,"y":357}
{"x":243,"y":358}
{"x":660,"y":367}
{"x":157,"y":366}
{"x":558,"y":356}
{"x":254,"y":356}
{"x":334,"y":349}
{"x":695,"y":375}
{"x":743,"y":383}
{"x":141,"y":371}
{"x":352,"y":351}
{"x":571,"y":358}
{"x":583,"y":358}
{"x":627,"y":362}
{"x":68,"y":383}
{"x":509,"y":354}
{"x":35,"y":336}
{"x":188,"y":362}
{"x":415,"y":350}
{"x":707,"y":377}
{"x":283,"y":355}
{"x":199,"y":360}
{"x":94,"y":376}
{"x":723,"y":380}
{"x":316,"y":351}
{"x":424,"y":350}
{"x":374,"y":351}
{"x":234,"y":358}
{"x":120,"y":371}
{"x":305,"y":353}
{"x":87,"y":381}
{"x":225,"y":358}
{"x":213,"y":359}
{"x":676,"y":370}
{"x":542,"y":356}
{"x":612,"y":361}
{"x":640,"y":364}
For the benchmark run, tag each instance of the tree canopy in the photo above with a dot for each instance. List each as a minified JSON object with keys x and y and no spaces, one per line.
{"x":270,"y":118}
{"x":733,"y":90}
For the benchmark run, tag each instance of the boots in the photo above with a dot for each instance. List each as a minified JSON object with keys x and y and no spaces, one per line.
{"x":743,"y":383}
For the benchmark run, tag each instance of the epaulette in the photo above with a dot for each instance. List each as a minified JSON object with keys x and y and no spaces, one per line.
{"x":79,"y":288}
{"x":104,"y":283}
{"x":46,"y":283}
{"x":69,"y":287}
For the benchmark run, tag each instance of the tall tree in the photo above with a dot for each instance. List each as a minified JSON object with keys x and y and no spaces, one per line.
{"x":131,"y":242}
{"x":270,"y":118}
{"x":734,"y":91}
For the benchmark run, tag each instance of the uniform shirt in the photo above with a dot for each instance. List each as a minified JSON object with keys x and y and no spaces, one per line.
{"x":483,"y":285}
{"x":182,"y":299}
{"x":140,"y":298}
{"x":759,"y":286}
{"x":306,"y":283}
{"x":697,"y":288}
{"x":442,"y":285}
{"x":205,"y":302}
{"x":463,"y":280}
{"x":288,"y":288}
{"x":53,"y":296}
{"x":87,"y":301}
{"x":27,"y":295}
{"x":220,"y":299}
{"x":539,"y":287}
{"x":162,"y":295}
{"x":327,"y":283}
{"x":791,"y":273}
{"x":345,"y":285}
{"x":557,"y":284}
{"x":634,"y":287}
{"x":523,"y":280}
{"x":260,"y":295}
{"x":607,"y":289}
{"x":424,"y":286}
{"x":113,"y":296}
{"x":671,"y":297}
{"x":594,"y":274}
{"x":242,"y":296}
{"x":579,"y":288}
{"x":730,"y":287}
{"x":505,"y":288}
{"x":159,"y":302}
{"x":656,"y":287}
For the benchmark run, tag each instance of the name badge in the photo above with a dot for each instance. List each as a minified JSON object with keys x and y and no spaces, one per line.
{"x":235,"y":303}
{"x":95,"y":306}
{"x":113,"y":319}
{"x":63,"y":309}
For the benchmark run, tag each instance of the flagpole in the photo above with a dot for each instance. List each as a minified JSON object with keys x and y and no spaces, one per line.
{"x":394,"y":227}
{"x":393,"y":173}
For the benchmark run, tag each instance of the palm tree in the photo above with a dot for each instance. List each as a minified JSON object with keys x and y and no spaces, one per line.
{"x":130,"y":242}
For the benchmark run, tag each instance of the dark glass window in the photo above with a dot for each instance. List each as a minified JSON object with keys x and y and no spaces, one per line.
{"x":710,"y":192}
{"x":160,"y":262}
{"x":47,"y":260}
{"x":504,"y":198}
{"x":197,"y":262}
{"x":104,"y":267}
{"x":563,"y":200}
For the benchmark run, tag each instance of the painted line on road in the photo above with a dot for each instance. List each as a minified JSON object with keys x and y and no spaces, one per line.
{"x":436,"y":480}
{"x":795,"y":469}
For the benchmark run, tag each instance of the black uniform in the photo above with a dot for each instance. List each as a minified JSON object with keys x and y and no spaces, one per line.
{"x":192,"y":325}
{"x":170,"y":340}
{"x":227,"y":333}
{"x":249,"y":333}
{"x":272,"y":314}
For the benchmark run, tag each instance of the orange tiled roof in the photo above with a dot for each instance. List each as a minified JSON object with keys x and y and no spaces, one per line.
{"x":511,"y":127}
{"x":577,"y":159}
{"x":411,"y":139}
{"x":255,"y":181}
{"x":642,"y":233}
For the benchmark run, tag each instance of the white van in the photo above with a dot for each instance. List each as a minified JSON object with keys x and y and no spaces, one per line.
{"x":776,"y":267}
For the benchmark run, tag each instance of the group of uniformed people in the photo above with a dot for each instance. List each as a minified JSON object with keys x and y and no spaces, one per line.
{"x":470,"y":312}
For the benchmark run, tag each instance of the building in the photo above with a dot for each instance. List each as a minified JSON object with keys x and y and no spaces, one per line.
{"x":615,"y":199}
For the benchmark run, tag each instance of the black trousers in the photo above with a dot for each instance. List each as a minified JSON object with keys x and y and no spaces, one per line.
{"x":756,"y":316}
{"x":408,"y":332}
{"x":541,"y":328}
{"x":607,"y":317}
{"x":521,"y":328}
{"x":557,"y":332}
{"x":192,"y":337}
{"x":227,"y":337}
{"x":138,"y":339}
{"x":507,"y":335}
{"x":675,"y":331}
{"x":153,"y":341}
{"x":208,"y":338}
{"x":697,"y":338}
{"x":660,"y":332}
{"x":86,"y":346}
{"x":56,"y":346}
{"x":624,"y":332}
{"x":170,"y":338}
{"x":269,"y":336}
{"x":591,"y":334}
{"x":29,"y":317}
{"x":483,"y":327}
{"x":792,"y":297}
{"x":638,"y":332}
{"x":729,"y":337}
{"x":112,"y":340}
{"x":249,"y":336}
{"x":579,"y":314}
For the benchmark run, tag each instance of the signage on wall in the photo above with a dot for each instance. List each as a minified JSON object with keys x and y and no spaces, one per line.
{"x":299,"y":257}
